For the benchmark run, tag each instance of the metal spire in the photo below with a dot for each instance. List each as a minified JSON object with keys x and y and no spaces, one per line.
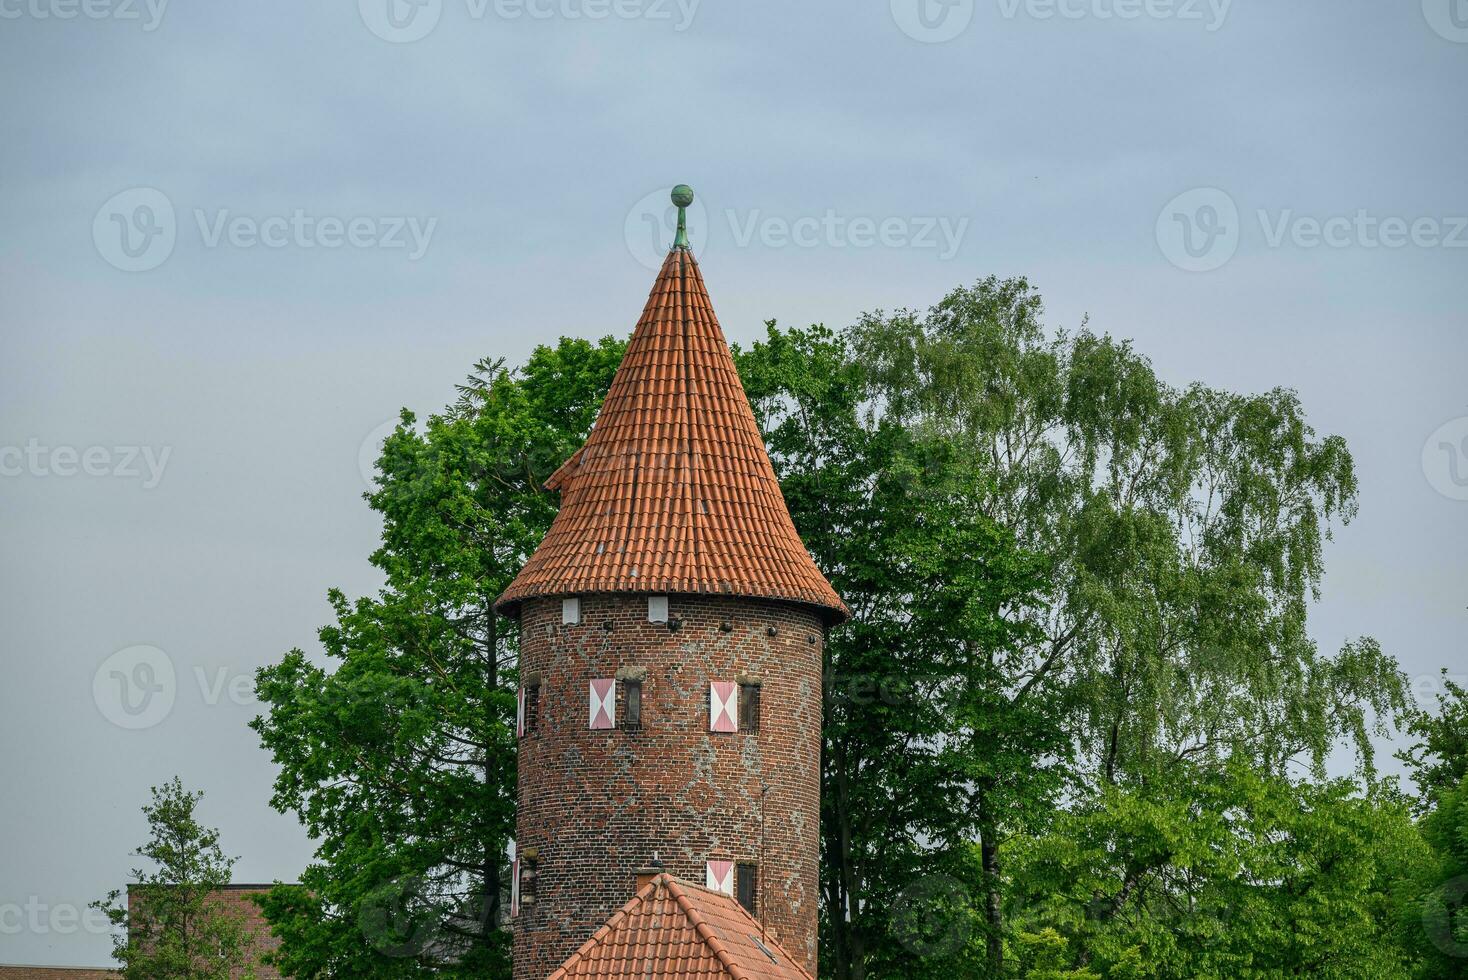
{"x":682,"y":197}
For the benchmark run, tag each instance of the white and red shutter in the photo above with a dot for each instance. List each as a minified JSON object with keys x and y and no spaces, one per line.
{"x":515,"y":887}
{"x":602,"y":703}
{"x":520,"y":712}
{"x":721,"y":876}
{"x":723,"y":706}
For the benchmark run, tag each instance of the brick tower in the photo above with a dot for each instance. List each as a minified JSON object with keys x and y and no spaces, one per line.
{"x":671,"y":627}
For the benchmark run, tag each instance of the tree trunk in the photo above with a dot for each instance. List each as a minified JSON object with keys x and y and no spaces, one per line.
{"x":993,"y":906}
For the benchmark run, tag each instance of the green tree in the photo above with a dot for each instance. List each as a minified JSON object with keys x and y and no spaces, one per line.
{"x":170,"y":925}
{"x":400,"y":759}
{"x":1434,"y":914}
{"x":924,"y":746}
{"x":1207,"y":871}
{"x":1438,"y":758}
{"x":1433,"y":910}
{"x":1181,"y":532}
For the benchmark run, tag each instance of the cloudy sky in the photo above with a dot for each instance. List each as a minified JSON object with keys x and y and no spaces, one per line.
{"x":236,"y":238}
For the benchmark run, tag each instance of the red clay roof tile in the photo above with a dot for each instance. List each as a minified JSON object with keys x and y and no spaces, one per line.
{"x":676,"y":930}
{"x":673,"y":491}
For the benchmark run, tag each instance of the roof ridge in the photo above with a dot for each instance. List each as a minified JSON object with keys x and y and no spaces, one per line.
{"x":706,"y":932}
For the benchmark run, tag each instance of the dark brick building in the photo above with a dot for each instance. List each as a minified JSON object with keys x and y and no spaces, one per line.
{"x":236,"y":901}
{"x":672,"y":628}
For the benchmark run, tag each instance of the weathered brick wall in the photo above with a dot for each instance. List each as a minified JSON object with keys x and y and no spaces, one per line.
{"x":54,"y":973}
{"x":236,"y":900}
{"x":599,"y":804}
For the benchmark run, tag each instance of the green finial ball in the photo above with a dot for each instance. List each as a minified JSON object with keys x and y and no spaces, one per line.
{"x":683,"y":195}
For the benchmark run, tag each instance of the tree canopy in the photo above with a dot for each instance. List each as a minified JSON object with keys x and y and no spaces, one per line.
{"x":170,"y":924}
{"x":1077,"y":726}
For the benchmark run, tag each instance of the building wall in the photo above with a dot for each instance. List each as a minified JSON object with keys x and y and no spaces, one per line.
{"x":233,"y":899}
{"x":596,"y":805}
{"x":236,"y":900}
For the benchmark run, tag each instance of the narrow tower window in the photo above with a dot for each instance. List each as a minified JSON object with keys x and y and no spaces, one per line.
{"x":657,"y":609}
{"x":632,"y":705}
{"x":749,"y":707}
{"x":747,"y":887}
{"x":571,"y":612}
{"x":532,"y":706}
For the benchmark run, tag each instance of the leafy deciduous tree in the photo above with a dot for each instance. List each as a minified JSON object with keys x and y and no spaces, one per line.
{"x":171,"y":925}
{"x":400,"y":761}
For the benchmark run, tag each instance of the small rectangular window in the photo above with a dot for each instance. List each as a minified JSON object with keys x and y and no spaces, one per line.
{"x":749,"y":707}
{"x":657,"y":609}
{"x":632,"y":706}
{"x":532,"y":706}
{"x":570,"y":612}
{"x":748,"y":887}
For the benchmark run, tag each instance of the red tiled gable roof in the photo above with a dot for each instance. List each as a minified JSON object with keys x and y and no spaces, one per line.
{"x":673,"y":491}
{"x":675,"y":930}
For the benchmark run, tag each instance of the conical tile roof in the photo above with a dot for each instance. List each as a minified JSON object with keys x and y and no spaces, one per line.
{"x":673,"y":491}
{"x":675,"y":930}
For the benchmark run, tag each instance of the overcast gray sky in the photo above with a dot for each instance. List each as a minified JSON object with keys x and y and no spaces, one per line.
{"x":237,"y":238}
